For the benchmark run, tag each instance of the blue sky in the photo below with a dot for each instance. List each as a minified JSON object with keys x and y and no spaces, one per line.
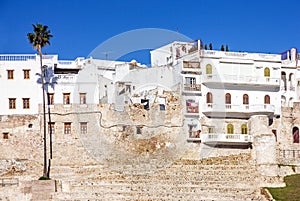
{"x":80,"y":26}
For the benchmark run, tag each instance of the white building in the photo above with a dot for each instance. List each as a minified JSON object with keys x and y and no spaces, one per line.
{"x":220,"y":90}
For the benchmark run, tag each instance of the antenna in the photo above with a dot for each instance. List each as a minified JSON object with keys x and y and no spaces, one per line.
{"x":106,"y":54}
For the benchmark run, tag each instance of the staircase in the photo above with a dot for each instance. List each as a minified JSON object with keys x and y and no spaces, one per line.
{"x":213,"y":179}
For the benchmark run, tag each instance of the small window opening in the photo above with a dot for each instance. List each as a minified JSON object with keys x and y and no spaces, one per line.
{"x":139,"y":130}
{"x":145,"y":102}
{"x":162,"y":107}
{"x":5,"y":136}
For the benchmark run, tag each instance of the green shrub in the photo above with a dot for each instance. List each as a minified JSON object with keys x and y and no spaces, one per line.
{"x":44,"y":178}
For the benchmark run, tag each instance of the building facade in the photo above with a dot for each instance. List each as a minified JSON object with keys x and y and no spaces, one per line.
{"x":219,"y":92}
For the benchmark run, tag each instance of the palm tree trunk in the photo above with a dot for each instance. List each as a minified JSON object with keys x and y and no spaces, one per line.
{"x":45,"y":172}
{"x":50,"y":127}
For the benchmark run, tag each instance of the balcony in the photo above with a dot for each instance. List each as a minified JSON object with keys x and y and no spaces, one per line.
{"x":192,"y":88}
{"x":241,"y":82}
{"x":191,"y":66}
{"x":194,"y":136}
{"x":226,"y":139}
{"x":62,"y":78}
{"x":237,"y":111}
{"x":192,"y":110}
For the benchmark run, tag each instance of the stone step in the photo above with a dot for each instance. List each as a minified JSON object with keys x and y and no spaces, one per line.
{"x":156,"y":196}
{"x":158,"y":188}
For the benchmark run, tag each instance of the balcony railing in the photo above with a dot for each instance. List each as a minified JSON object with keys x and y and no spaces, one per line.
{"x":292,"y":88}
{"x":194,"y":134}
{"x":239,"y":108}
{"x":192,"y":87}
{"x":66,"y":78}
{"x":243,"y":110}
{"x":223,"y":138}
{"x":241,"y":79}
{"x":192,"y":109}
{"x":289,"y":154}
{"x":191,"y":64}
{"x":17,"y":57}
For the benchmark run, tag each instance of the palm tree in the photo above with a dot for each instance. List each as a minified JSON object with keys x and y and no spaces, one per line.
{"x":39,"y":39}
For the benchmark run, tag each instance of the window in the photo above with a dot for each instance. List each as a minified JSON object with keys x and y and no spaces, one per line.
{"x":83,"y":127}
{"x":51,"y":125}
{"x":67,"y":128}
{"x":228,"y":98}
{"x":208,"y":69}
{"x":209,"y":98}
{"x":295,"y":135}
{"x":145,"y":102}
{"x":245,"y":99}
{"x":26,"y":74}
{"x":26,"y":103}
{"x":138,"y":130}
{"x":274,"y":131}
{"x":267,"y":72}
{"x":230,"y":129}
{"x":244,"y":129}
{"x":10,"y":74}
{"x":82,"y":98}
{"x":267,"y":99}
{"x":50,"y":98}
{"x":190,"y":80}
{"x":283,"y":78}
{"x":211,"y":130}
{"x":162,"y":107}
{"x":66,"y":98}
{"x":5,"y":136}
{"x":12,"y":103}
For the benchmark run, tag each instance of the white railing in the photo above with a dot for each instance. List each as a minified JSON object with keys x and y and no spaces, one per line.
{"x":66,"y":78}
{"x":63,"y":62}
{"x":192,"y":87}
{"x":223,"y":137}
{"x":23,"y":57}
{"x":225,"y":78}
{"x":238,"y":108}
{"x":17,"y":57}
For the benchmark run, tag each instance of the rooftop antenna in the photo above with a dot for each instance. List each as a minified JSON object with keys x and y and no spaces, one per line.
{"x":106,"y":54}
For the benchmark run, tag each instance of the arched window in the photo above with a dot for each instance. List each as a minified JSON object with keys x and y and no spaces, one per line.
{"x":295,"y":135}
{"x":283,"y":78}
{"x":267,"y":72}
{"x":291,"y":102}
{"x":245,"y":99}
{"x":227,"y":98}
{"x":267,"y":99}
{"x":283,"y":101}
{"x":209,"y":69}
{"x":230,"y":129}
{"x":291,"y":81}
{"x":209,"y":98}
{"x":244,"y":129}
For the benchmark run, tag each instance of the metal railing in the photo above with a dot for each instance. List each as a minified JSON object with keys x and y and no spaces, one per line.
{"x":192,"y":87}
{"x":9,"y":181}
{"x":292,"y":154}
{"x":224,"y":137}
{"x":192,"y":109}
{"x":194,"y":134}
{"x":191,"y":64}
